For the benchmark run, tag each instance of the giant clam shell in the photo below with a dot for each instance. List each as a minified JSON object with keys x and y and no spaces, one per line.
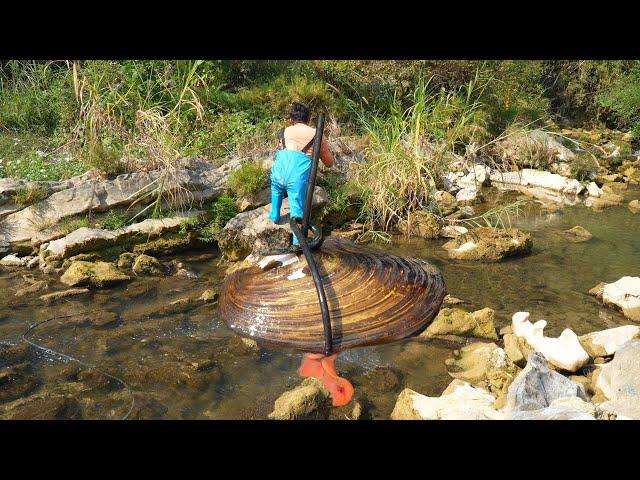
{"x":373,"y":298}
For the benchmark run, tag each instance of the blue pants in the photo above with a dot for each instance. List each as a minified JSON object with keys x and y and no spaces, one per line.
{"x":290,"y":173}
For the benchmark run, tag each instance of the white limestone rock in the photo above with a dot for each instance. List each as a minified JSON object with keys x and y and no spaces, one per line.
{"x":564,"y":352}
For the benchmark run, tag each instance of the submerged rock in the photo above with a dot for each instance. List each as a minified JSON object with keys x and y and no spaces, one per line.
{"x":537,"y":386}
{"x":489,"y":244}
{"x":577,"y":234}
{"x":564,"y":352}
{"x":625,"y":295}
{"x":32,"y":288}
{"x":634,"y":206}
{"x":454,"y":321}
{"x":460,"y":401}
{"x":607,"y":342}
{"x":93,"y":274}
{"x":619,"y":381}
{"x":50,"y":297}
{"x":310,"y":400}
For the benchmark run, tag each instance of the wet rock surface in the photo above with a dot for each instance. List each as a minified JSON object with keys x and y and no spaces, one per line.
{"x":488,"y":244}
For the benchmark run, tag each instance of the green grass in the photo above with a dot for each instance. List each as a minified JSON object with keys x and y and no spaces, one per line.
{"x":68,"y":225}
{"x":220,"y":211}
{"x":114,"y":220}
{"x":29,"y":195}
{"x":249,"y":178}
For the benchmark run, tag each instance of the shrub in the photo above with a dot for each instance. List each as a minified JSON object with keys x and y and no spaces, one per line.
{"x":220,"y":211}
{"x":583,"y":166}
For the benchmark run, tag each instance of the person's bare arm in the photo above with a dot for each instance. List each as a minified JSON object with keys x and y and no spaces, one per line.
{"x":325,"y":153}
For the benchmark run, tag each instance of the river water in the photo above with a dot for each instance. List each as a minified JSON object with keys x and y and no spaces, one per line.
{"x":182,"y":362}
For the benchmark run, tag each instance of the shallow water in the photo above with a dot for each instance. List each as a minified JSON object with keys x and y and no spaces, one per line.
{"x":189,"y":365}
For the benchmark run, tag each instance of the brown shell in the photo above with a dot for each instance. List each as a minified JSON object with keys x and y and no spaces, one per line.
{"x":373,"y":298}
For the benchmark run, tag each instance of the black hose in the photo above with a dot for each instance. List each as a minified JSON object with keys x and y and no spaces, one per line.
{"x":311,"y":184}
{"x":322,"y":297}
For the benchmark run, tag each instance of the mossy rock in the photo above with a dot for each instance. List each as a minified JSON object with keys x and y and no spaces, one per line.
{"x":92,"y":274}
{"x":126,"y":259}
{"x":147,"y":265}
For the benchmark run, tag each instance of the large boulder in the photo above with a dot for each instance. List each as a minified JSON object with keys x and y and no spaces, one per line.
{"x":487,"y":244}
{"x":564,"y":352}
{"x":310,"y":400}
{"x":537,"y":386}
{"x":460,"y":401}
{"x":455,"y":321}
{"x":606,"y":200}
{"x":619,"y":381}
{"x":607,"y":342}
{"x":93,"y":274}
{"x":252,"y":231}
{"x":625,"y":295}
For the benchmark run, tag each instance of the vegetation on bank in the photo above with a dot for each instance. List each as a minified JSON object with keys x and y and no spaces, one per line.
{"x":59,"y":119}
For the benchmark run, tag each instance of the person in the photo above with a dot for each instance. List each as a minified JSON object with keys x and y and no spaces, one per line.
{"x":290,"y":172}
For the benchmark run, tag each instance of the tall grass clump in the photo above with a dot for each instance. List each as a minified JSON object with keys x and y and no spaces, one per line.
{"x":409,"y":149}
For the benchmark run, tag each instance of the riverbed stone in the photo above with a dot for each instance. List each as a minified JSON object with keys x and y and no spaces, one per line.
{"x":93,"y":274}
{"x":484,"y":365}
{"x":608,"y":342}
{"x":537,"y":386}
{"x":624,"y":294}
{"x":147,"y":265}
{"x":468,"y":196}
{"x":455,"y":321}
{"x":460,"y":401}
{"x":51,"y":297}
{"x":32,"y":288}
{"x":564,"y":352}
{"x":309,"y":400}
{"x":577,"y":234}
{"x":634,"y":206}
{"x":593,"y":190}
{"x":487,"y":244}
{"x":252,"y":231}
{"x":125,"y":260}
{"x":423,"y":224}
{"x":513,"y":350}
{"x":531,"y":179}
{"x":619,"y":381}
{"x":446,"y":203}
{"x":606,"y":200}
{"x":551,"y":413}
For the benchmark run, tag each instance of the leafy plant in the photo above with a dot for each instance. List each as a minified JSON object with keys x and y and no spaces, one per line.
{"x":220,"y":211}
{"x":114,"y":220}
{"x":249,"y":178}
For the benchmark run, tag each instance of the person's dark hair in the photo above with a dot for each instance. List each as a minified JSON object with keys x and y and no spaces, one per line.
{"x":299,"y":112}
